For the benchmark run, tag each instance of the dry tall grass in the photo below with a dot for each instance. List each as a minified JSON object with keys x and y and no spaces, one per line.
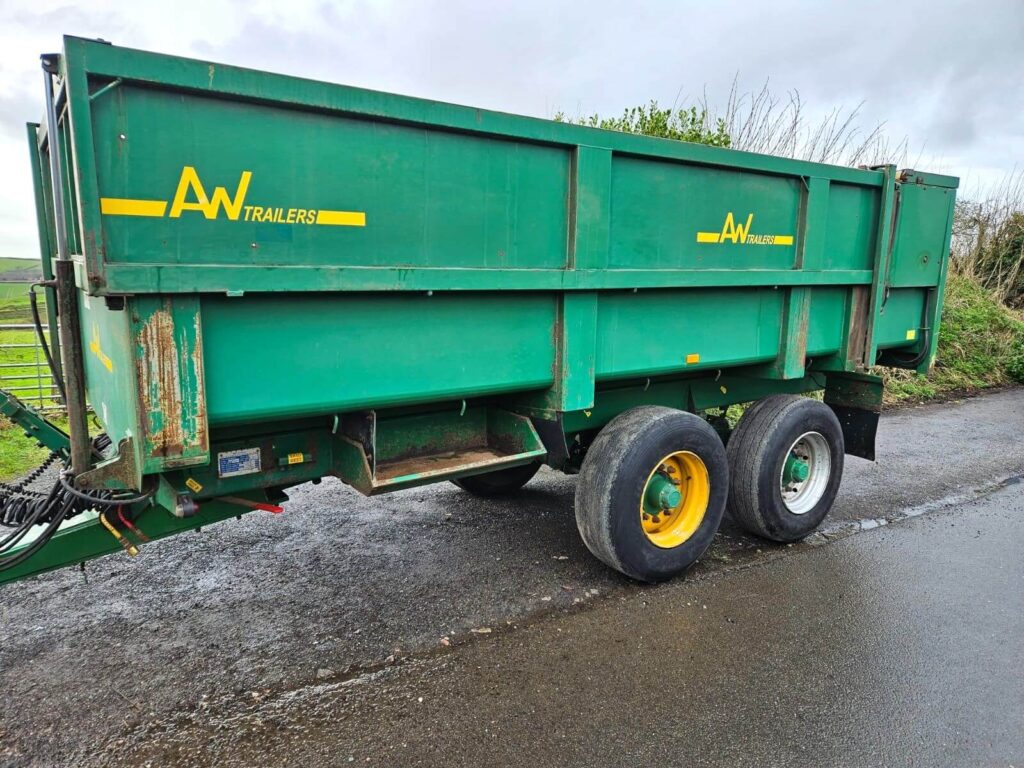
{"x":766,"y":122}
{"x":988,"y":239}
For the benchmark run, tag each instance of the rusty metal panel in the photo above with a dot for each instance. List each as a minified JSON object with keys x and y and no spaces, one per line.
{"x":169,"y":365}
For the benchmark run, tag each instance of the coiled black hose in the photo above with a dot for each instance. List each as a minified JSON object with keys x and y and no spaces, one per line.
{"x":22,"y":509}
{"x":21,"y":486}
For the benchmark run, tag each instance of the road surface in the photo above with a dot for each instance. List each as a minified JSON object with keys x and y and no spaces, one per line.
{"x":311,"y":637}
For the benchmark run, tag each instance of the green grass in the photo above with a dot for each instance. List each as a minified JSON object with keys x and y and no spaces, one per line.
{"x":18,"y":454}
{"x":20,"y":270}
{"x":981,"y":345}
{"x":13,"y":290}
{"x":16,"y":309}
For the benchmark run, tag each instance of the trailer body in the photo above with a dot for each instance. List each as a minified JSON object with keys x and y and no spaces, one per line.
{"x":279,"y":279}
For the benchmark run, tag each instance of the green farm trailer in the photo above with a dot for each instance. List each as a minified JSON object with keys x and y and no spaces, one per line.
{"x":262,"y":280}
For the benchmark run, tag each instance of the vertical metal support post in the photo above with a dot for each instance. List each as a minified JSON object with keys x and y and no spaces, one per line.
{"x":880,"y":272}
{"x":67,"y":293}
{"x":47,"y":248}
{"x":937,"y":296}
{"x":792,"y":358}
{"x":576,"y":337}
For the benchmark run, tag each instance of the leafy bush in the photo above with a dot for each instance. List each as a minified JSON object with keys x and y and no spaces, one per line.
{"x":680,"y":124}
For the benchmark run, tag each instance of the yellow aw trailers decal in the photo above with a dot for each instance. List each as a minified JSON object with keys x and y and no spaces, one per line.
{"x":191,"y":196}
{"x":740,"y":233}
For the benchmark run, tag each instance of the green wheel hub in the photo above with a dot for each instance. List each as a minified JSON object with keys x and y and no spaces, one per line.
{"x":795,"y":471}
{"x":661,"y":494}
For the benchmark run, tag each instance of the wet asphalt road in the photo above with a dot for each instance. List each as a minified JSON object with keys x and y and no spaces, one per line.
{"x":901,"y":646}
{"x":342,"y":599}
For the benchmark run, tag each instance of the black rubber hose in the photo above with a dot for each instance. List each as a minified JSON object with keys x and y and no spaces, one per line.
{"x":107,"y":499}
{"x":22,"y":509}
{"x":20,"y":487}
{"x":10,"y":562}
{"x":926,"y":340}
{"x":916,"y":360}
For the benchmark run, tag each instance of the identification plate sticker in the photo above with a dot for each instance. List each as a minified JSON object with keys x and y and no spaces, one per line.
{"x":234,"y":463}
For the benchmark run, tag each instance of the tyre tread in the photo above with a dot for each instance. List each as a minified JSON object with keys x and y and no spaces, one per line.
{"x":609,"y":474}
{"x":746,"y":451}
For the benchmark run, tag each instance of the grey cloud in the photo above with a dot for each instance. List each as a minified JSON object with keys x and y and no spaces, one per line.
{"x":18,"y":109}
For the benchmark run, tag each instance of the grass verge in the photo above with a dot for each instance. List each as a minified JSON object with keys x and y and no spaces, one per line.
{"x":981,"y":346}
{"x":18,"y":454}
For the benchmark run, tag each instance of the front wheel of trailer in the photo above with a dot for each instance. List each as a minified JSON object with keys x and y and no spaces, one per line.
{"x":652,"y":491}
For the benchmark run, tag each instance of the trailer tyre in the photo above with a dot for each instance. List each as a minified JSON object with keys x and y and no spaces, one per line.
{"x":785,"y":466}
{"x":652,"y":492}
{"x":501,"y":482}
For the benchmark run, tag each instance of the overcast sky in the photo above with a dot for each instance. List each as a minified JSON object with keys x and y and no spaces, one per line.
{"x":948,"y":76}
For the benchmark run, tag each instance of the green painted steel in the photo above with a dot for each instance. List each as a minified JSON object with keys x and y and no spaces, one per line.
{"x":282,"y":279}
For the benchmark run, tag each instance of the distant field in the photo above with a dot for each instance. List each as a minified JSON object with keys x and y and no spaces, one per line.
{"x":15,"y":311}
{"x":13,"y":290}
{"x":25,"y":269}
{"x":6,"y":264}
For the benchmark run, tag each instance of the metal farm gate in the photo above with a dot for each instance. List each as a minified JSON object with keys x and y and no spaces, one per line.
{"x":23,"y":369}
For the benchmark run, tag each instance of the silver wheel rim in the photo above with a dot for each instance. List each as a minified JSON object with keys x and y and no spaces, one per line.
{"x":800,"y":497}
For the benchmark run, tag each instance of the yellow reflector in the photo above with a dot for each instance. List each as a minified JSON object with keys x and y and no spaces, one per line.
{"x":693,"y":358}
{"x":911,"y":334}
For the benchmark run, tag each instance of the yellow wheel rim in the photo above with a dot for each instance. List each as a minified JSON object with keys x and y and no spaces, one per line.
{"x":674,"y":499}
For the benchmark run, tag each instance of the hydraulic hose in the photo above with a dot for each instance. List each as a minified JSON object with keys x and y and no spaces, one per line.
{"x":22,"y":509}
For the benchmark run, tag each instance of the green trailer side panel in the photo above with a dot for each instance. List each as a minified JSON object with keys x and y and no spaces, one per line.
{"x":109,"y":363}
{"x":590,"y":204}
{"x":919,"y":248}
{"x":322,"y":354}
{"x":825,"y":320}
{"x":900,"y":322}
{"x":852,"y":227}
{"x":412,"y":196}
{"x":660,"y":332}
{"x":661,"y":209}
{"x":479,"y":200}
